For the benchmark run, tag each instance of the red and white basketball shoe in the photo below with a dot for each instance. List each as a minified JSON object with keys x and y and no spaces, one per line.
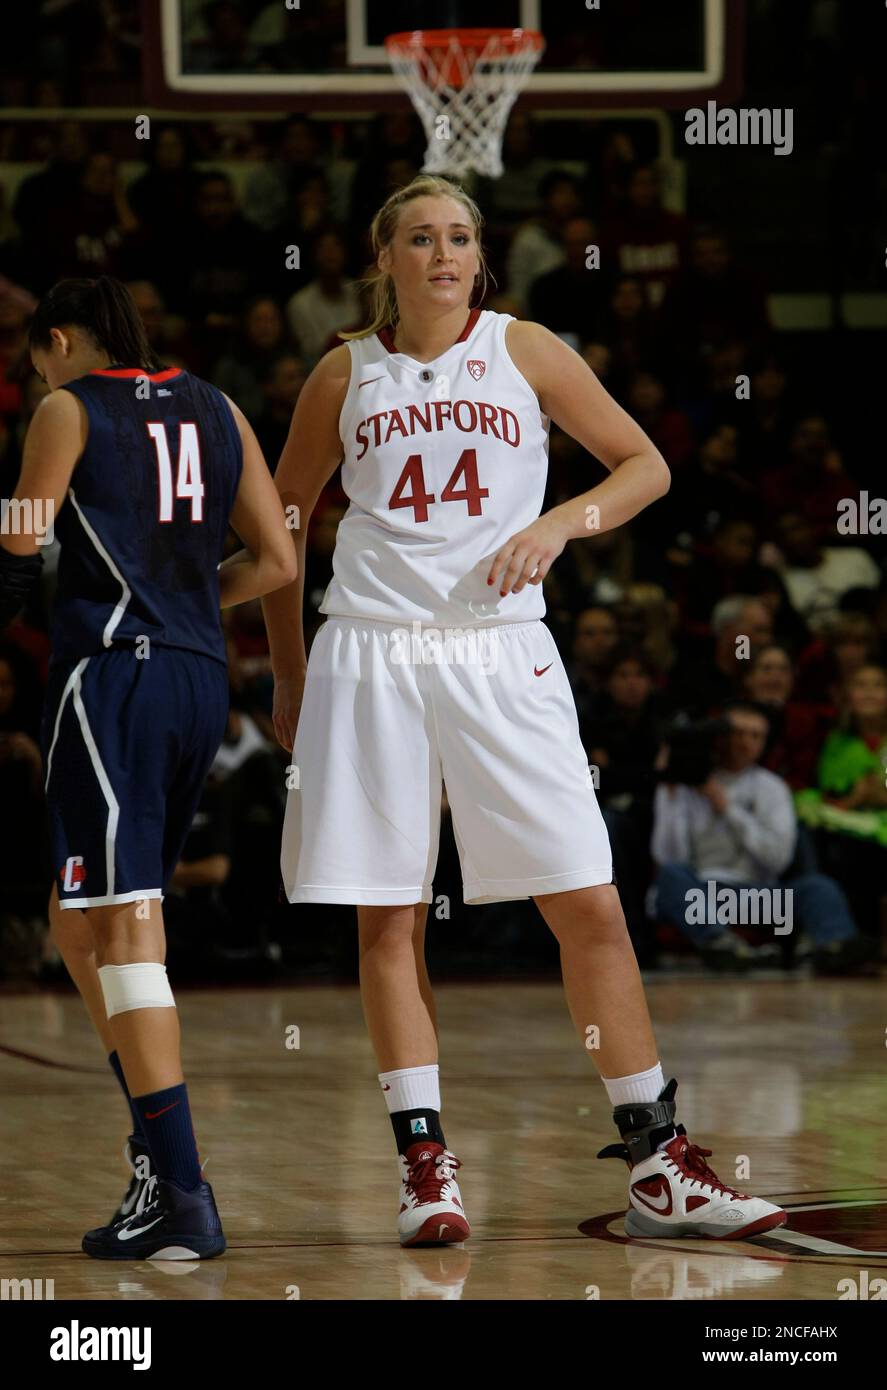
{"x":672,"y":1190}
{"x":431,"y":1211}
{"x":675,"y":1193}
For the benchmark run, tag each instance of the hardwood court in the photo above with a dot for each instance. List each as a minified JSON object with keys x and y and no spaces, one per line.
{"x":300,"y":1152}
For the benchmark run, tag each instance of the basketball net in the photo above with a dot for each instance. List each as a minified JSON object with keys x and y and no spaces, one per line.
{"x":463,"y":84}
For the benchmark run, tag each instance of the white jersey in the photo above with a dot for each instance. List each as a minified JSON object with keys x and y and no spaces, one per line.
{"x":443,"y":462}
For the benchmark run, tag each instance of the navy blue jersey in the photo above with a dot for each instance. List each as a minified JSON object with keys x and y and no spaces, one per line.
{"x":146,"y":516}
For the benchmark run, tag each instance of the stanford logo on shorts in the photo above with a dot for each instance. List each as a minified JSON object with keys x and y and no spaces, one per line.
{"x":73,"y":873}
{"x":476,"y":367}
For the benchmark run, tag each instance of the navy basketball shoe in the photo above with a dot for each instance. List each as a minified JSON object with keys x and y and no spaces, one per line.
{"x":139,"y":1160}
{"x":169,"y":1225}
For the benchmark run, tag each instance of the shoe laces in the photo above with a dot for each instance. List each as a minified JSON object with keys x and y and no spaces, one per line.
{"x":426,"y":1176}
{"x":692,"y":1167}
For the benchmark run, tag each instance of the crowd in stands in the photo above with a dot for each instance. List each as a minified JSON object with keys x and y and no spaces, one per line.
{"x":728,"y":649}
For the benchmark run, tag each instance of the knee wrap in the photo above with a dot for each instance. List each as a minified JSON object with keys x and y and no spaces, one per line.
{"x":140,"y":986}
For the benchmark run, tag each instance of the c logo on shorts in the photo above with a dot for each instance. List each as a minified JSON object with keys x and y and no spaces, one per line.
{"x":73,"y":873}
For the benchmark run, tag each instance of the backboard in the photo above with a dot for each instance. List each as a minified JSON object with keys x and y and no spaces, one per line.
{"x":323,"y":55}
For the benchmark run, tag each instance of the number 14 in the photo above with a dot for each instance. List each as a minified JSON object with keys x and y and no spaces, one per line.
{"x":189,"y":482}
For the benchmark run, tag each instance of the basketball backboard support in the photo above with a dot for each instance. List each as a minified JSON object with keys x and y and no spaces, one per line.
{"x":300,"y":55}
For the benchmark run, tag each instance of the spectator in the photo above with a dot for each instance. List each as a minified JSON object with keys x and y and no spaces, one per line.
{"x":812,"y":480}
{"x":849,"y":642}
{"x":40,"y":195}
{"x":221,"y":261}
{"x":797,"y":729}
{"x":271,"y":189}
{"x":282,"y":381}
{"x":595,"y":638}
{"x":817,"y":576}
{"x":162,"y":197}
{"x":709,"y":302}
{"x":764,"y":422}
{"x":514,"y":196}
{"x":92,"y":233}
{"x":167,"y":333}
{"x":740,"y":626}
{"x":328,"y":302}
{"x":738,"y":830}
{"x":626,"y":739}
{"x":644,"y":240}
{"x":716,"y":486}
{"x":722,"y":566}
{"x":16,"y":308}
{"x":627,"y":328}
{"x":848,"y":807}
{"x":263,"y":338}
{"x":537,"y":246}
{"x":668,"y":427}
{"x":568,"y":299}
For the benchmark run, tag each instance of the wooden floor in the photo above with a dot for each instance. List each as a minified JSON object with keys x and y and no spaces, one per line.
{"x":301,"y":1155}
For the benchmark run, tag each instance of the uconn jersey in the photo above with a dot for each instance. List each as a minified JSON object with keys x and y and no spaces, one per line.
{"x":146,"y":516}
{"x":137,"y":699}
{"x":443,"y":461}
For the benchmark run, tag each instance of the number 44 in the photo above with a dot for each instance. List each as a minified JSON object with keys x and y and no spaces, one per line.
{"x":189,"y":482}
{"x":418,"y":498}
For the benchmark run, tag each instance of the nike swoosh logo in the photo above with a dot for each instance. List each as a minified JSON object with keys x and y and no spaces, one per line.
{"x":537,"y":672}
{"x":368,"y":382}
{"x":660,"y":1203}
{"x":127,"y":1206}
{"x":137,"y":1231}
{"x":386,"y":1087}
{"x":153,"y":1116}
{"x":440,"y":1231}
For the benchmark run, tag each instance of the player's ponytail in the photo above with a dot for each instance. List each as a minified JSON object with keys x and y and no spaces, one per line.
{"x":383,"y":298}
{"x":106,"y":310}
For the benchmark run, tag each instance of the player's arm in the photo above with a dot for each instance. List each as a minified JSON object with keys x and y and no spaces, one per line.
{"x":570,"y":393}
{"x":312,"y":453}
{"x":55,"y":440}
{"x":269,"y":560}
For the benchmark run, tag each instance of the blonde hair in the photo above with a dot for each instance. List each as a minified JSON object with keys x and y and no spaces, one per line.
{"x":383,"y":299}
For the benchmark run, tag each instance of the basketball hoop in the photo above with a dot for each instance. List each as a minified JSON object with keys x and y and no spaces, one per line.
{"x":463,"y":84}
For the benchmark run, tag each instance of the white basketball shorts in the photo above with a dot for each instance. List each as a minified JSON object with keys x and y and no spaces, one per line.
{"x":389,"y":713}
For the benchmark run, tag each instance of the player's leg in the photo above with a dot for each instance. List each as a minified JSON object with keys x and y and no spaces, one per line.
{"x":527,"y":824}
{"x":602,"y":981}
{"x":74,"y":939}
{"x":420,"y":912}
{"x":673,"y":1191}
{"x":180,"y":1221}
{"x":399,"y":1011}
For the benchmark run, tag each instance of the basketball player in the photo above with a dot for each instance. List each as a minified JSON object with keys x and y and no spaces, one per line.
{"x":440,"y":414}
{"x":144,"y":469}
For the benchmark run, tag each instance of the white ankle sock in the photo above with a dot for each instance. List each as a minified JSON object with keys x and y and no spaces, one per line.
{"x":411,"y":1088}
{"x":644,"y":1085}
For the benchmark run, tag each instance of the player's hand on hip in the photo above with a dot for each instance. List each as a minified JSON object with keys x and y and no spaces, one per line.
{"x":528,"y":556}
{"x":288,"y":692}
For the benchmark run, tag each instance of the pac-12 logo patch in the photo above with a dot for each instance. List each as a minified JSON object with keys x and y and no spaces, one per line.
{"x":73,"y":873}
{"x":476,"y":368}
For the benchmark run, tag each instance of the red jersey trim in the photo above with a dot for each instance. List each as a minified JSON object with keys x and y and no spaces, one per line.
{"x":166,"y":375}
{"x":386,"y":334}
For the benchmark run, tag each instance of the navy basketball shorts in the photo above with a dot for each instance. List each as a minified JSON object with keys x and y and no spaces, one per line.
{"x":127,"y":744}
